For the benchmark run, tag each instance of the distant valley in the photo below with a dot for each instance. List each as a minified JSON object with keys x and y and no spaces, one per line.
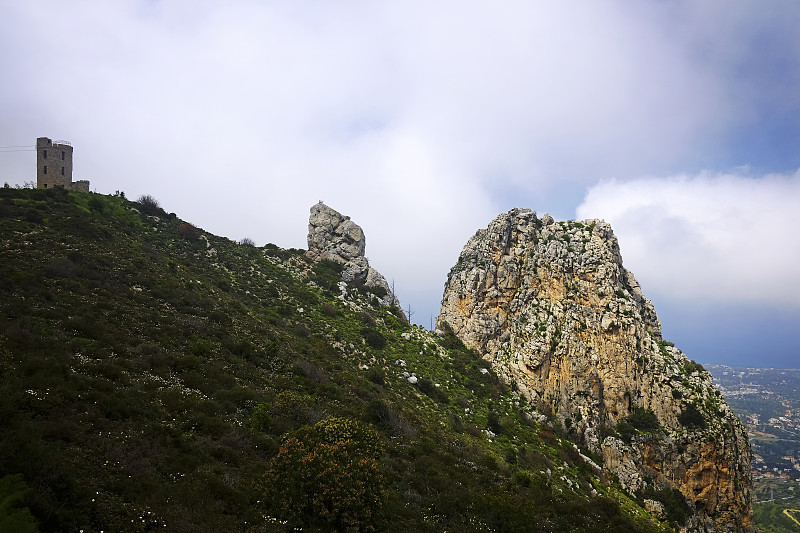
{"x":768,"y":402}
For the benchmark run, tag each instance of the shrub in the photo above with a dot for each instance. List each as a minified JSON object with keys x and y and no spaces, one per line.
{"x":34,"y":216}
{"x":302,"y":330}
{"x":292,"y":410}
{"x":378,"y":291}
{"x":328,"y":477}
{"x":376,"y":376}
{"x":149,"y":205}
{"x":13,"y":516}
{"x":261,"y":420}
{"x":644,"y":420}
{"x":691,"y":417}
{"x":428,"y":388}
{"x":625,"y":430}
{"x":694,"y":366}
{"x":367,"y":318}
{"x":493,"y":423}
{"x":189,"y":232}
{"x":449,"y":339}
{"x":311,"y":371}
{"x":641,"y":420}
{"x":384,"y":415}
{"x":328,"y":309}
{"x":675,"y":506}
{"x":374,"y":338}
{"x":328,"y":274}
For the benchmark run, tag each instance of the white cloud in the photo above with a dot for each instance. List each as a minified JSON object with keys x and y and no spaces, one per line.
{"x":415,"y":118}
{"x":719,"y":238}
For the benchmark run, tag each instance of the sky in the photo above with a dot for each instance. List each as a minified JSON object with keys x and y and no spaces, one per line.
{"x":675,"y":120}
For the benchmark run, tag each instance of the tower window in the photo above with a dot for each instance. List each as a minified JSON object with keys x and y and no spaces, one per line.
{"x":45,"y":154}
{"x":45,"y":170}
{"x":62,"y":155}
{"x":62,"y":171}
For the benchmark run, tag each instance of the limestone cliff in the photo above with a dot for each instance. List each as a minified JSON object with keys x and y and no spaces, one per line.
{"x":550,"y":305}
{"x":334,"y":236}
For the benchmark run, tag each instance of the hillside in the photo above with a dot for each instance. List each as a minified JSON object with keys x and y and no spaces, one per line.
{"x":157,"y":377}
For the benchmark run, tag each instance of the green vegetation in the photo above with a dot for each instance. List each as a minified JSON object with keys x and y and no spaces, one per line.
{"x":776,"y":518}
{"x":640,"y":422}
{"x":155,"y":376}
{"x":675,"y":506}
{"x":328,"y":476}
{"x":691,"y":417}
{"x":14,"y":517}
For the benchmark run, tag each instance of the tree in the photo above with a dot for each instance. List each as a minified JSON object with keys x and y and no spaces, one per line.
{"x":691,"y":417}
{"x":327,"y":477}
{"x":409,"y":313}
{"x":149,"y":205}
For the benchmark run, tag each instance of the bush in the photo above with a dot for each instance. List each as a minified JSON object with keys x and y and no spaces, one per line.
{"x":328,"y":309}
{"x":376,"y":376}
{"x":428,"y":388}
{"x":189,"y":232}
{"x":374,"y":338}
{"x":675,"y":506}
{"x":292,"y":410}
{"x":328,"y":274}
{"x":328,"y":477}
{"x":149,"y":205}
{"x":449,"y":339}
{"x":626,"y":431}
{"x":691,"y":417}
{"x":261,"y":420}
{"x":386,"y":416}
{"x":13,"y":516}
{"x":641,"y":420}
{"x":247,"y":241}
{"x":493,"y":423}
{"x":302,"y":330}
{"x":96,"y":205}
{"x":644,"y":420}
{"x":694,"y":366}
{"x":378,"y":291}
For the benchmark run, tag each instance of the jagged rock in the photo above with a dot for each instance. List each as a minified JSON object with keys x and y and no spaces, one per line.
{"x":624,"y":462}
{"x":355,"y":269}
{"x":550,"y":305}
{"x":655,"y":508}
{"x":334,"y":236}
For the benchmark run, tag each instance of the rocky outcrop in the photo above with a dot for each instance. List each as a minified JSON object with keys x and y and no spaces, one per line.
{"x":550,"y":305}
{"x":334,"y":236}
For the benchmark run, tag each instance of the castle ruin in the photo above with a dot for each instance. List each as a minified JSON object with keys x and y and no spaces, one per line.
{"x":54,"y":166}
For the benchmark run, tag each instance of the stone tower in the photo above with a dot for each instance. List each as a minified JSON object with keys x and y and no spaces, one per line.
{"x":54,"y":166}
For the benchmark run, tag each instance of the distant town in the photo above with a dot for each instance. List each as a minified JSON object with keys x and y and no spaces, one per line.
{"x":768,"y":402}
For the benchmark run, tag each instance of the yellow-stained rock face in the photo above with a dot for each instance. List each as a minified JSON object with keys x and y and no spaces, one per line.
{"x":550,"y":305}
